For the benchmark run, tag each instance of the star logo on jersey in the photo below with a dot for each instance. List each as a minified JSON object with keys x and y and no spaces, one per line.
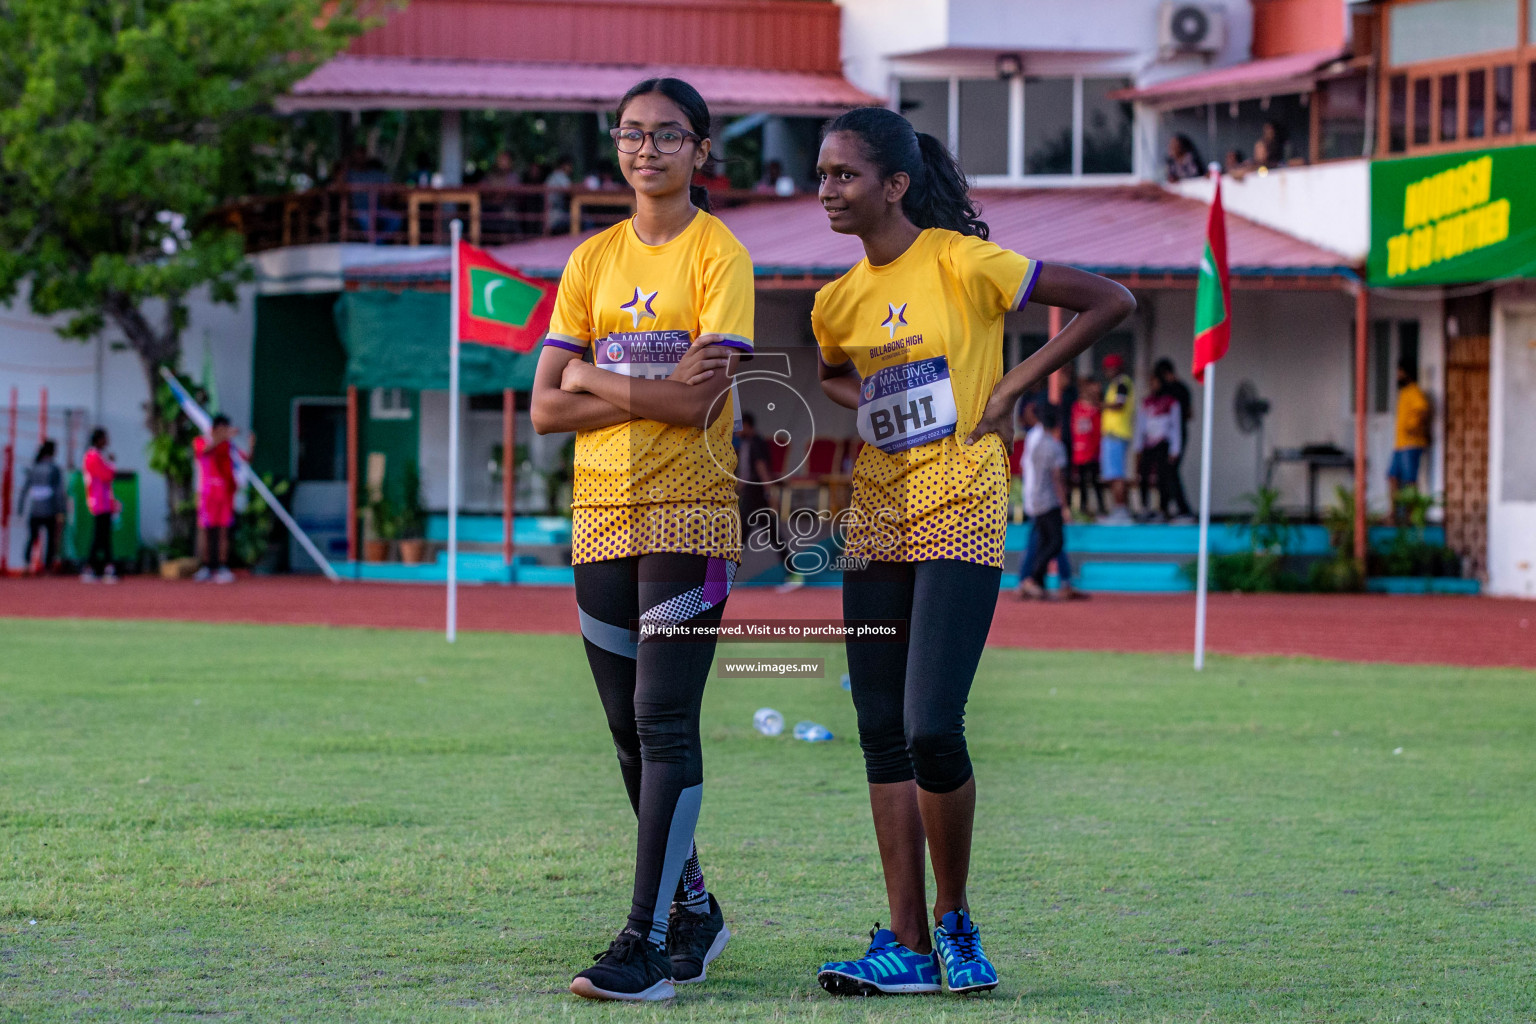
{"x":639,"y":307}
{"x":897,"y":317}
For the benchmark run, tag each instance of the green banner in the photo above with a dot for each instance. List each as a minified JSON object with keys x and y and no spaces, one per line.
{"x":1454,"y":218}
{"x":400,"y":340}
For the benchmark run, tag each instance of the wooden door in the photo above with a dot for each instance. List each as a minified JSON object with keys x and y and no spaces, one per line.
{"x":1466,"y":452}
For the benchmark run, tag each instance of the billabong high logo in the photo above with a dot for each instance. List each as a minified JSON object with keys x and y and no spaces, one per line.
{"x":897,"y":317}
{"x":639,"y":307}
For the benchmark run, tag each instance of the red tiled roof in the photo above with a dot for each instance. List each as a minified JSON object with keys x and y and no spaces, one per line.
{"x":1111,"y":230}
{"x":399,"y":83}
{"x":1292,"y":72}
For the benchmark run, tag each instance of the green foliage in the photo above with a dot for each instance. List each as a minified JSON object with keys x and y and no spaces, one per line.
{"x":1251,"y":572}
{"x":413,"y":514}
{"x":170,"y":455}
{"x":1409,"y":554}
{"x":1269,"y":531}
{"x":1414,"y":506}
{"x":263,"y":823}
{"x":1336,"y":575}
{"x":254,"y":525}
{"x":386,"y":519}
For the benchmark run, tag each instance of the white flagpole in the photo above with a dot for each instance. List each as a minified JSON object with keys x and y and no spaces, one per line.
{"x":1208,"y":413}
{"x":453,"y":436}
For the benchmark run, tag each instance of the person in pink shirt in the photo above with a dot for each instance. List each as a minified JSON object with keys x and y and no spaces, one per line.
{"x":99,"y":471}
{"x":216,"y":498}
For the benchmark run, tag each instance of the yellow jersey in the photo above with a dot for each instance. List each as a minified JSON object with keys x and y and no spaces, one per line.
{"x":643,"y":487}
{"x":1412,"y":417}
{"x":925,"y":332}
{"x":1119,"y":422}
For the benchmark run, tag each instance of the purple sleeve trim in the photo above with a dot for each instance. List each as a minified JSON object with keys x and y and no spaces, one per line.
{"x":578,"y":349}
{"x":734,"y":343}
{"x":1028,"y":287}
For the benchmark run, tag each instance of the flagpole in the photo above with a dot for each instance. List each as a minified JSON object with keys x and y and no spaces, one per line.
{"x":1207,"y":415}
{"x":453,"y":436}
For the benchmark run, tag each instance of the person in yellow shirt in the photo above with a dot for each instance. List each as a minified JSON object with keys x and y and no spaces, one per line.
{"x":637,"y":361}
{"x":1413,"y":416}
{"x":1117,"y":428}
{"x":912,"y":338}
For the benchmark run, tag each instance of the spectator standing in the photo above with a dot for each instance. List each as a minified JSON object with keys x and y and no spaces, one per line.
{"x":42,"y":503}
{"x":558,"y":201}
{"x":216,"y":498}
{"x":99,"y":471}
{"x":1117,"y":425}
{"x":1169,"y":378}
{"x":1157,"y":439}
{"x":1413,"y":416}
{"x":1086,"y":437}
{"x":1045,"y":495}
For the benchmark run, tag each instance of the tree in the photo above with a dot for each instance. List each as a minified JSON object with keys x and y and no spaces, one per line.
{"x":124,"y":125}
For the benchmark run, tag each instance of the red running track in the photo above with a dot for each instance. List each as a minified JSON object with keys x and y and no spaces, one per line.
{"x":1472,"y":631}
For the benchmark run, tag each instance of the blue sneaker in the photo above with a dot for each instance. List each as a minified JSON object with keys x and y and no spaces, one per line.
{"x":958,"y":941}
{"x":887,"y":968}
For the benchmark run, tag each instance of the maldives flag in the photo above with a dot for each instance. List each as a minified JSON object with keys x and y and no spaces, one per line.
{"x":1213,"y":295}
{"x":497,"y":305}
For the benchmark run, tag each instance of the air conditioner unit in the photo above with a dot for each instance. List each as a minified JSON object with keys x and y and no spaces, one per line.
{"x":1192,"y":28}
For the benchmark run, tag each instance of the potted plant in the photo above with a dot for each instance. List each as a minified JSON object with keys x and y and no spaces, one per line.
{"x":413,"y":519}
{"x":386,"y":529}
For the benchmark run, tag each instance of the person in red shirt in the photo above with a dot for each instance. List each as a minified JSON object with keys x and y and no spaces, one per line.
{"x":216,"y":498}
{"x":1085,"y":445}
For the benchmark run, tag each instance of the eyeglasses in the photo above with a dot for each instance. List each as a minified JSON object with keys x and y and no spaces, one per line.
{"x":666,"y":140}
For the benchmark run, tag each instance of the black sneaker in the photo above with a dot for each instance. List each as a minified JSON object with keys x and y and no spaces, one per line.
{"x":694,"y":939}
{"x":632,"y":969}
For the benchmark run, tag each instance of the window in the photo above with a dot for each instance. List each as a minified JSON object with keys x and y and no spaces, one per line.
{"x":1477,"y":103}
{"x":1381,"y":362}
{"x":389,"y":404}
{"x":1397,"y":114}
{"x":1106,"y":128}
{"x":926,"y":105}
{"x":1530,"y":99}
{"x":1503,"y":100}
{"x":1421,"y":109}
{"x":1071,"y":126}
{"x":1448,"y":110}
{"x":984,"y":126}
{"x":1048,"y":125}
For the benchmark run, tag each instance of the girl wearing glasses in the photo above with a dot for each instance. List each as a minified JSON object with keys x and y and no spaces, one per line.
{"x":912,"y":338}
{"x":647,"y":324}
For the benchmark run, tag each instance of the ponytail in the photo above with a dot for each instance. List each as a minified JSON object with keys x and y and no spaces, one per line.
{"x":938,"y":195}
{"x":699,"y":196}
{"x":944,"y":200}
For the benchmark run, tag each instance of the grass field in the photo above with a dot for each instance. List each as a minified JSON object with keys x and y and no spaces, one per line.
{"x":302,"y":824}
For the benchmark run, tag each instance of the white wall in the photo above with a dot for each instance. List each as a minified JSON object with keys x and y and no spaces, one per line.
{"x":1296,"y":348}
{"x":1512,"y":429}
{"x":104,"y":378}
{"x":1325,"y":204}
{"x":874,"y":30}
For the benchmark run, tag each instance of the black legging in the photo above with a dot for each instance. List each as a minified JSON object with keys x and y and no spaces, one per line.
{"x":1085,"y":480}
{"x":1159,"y":470}
{"x":651,"y":687}
{"x":100,"y":555}
{"x":910,"y":694}
{"x":46,"y":529}
{"x":1052,"y":530}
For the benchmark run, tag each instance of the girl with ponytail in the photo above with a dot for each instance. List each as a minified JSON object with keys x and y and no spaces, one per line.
{"x":650,"y":316}
{"x":912,"y":338}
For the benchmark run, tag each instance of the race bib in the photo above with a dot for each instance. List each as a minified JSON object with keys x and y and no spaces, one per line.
{"x":906,"y":405}
{"x":648,"y":355}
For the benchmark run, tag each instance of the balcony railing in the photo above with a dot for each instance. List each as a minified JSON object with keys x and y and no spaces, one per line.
{"x":405,"y":215}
